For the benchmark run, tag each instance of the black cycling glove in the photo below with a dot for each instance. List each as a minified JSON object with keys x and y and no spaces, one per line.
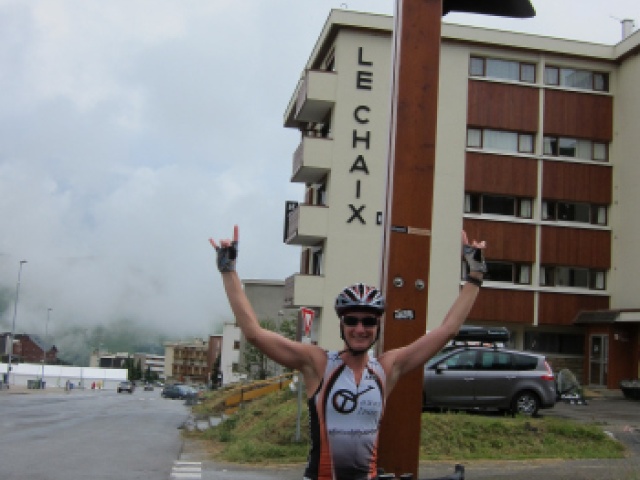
{"x":226,"y":257}
{"x":474,"y":258}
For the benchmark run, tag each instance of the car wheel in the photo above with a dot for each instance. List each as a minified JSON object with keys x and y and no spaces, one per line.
{"x":526,"y":403}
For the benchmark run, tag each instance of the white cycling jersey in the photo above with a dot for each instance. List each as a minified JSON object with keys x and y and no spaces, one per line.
{"x":344,"y":420}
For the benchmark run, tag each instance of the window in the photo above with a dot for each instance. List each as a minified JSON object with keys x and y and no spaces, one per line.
{"x":498,"y":205}
{"x":573,"y":277}
{"x":321,"y":194}
{"x":502,"y":69}
{"x":575,"y":148}
{"x":236,"y":345}
{"x":316,"y":261}
{"x":495,"y":361}
{"x":574,"y":78}
{"x":574,"y":212}
{"x":525,"y":362}
{"x":562,"y":343}
{"x":462,"y":361}
{"x":508,"y":272}
{"x":500,"y":140}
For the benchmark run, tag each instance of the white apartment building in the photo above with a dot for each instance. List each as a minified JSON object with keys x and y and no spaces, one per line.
{"x":537,"y":153}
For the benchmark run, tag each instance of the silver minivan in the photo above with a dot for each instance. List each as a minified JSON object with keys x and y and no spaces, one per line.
{"x":480,"y":377}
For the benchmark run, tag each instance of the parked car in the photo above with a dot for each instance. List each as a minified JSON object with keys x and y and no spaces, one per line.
{"x":179,"y":391}
{"x":148,"y":387}
{"x":467,"y":377}
{"x":126,"y":387}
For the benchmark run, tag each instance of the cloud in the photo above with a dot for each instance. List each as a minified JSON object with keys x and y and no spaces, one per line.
{"x":130,"y":132}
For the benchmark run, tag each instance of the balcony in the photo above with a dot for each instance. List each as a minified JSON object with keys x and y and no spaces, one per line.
{"x":316,"y":95}
{"x":312,"y":160}
{"x":303,"y":291}
{"x":306,"y":225}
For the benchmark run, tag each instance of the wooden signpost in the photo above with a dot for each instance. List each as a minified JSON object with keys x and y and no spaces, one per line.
{"x":408,"y":214}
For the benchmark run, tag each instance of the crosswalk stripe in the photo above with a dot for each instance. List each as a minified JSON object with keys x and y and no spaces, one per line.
{"x":186,"y":470}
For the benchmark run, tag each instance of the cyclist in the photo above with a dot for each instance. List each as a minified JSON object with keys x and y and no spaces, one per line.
{"x":347,"y":390}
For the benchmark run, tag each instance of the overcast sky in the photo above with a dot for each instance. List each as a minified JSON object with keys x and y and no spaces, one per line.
{"x":133,"y":130}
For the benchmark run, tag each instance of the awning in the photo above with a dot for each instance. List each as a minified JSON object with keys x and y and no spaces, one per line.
{"x":608,"y":316}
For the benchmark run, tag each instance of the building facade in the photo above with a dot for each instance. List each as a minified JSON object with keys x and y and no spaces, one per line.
{"x":265,"y":297}
{"x":187,"y":362}
{"x":28,"y":348}
{"x":149,"y":362}
{"x":536,"y":154}
{"x":230,"y":354}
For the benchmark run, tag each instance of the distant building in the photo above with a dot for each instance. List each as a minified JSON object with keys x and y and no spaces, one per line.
{"x":28,"y":348}
{"x":187,"y":361}
{"x":266,"y":298}
{"x":230,"y":360}
{"x":150,"y":362}
{"x":109,"y":360}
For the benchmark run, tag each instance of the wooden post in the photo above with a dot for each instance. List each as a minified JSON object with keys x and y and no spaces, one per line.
{"x":408,"y":217}
{"x":408,"y":213}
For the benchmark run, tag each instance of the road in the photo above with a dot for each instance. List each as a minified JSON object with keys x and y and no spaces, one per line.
{"x":89,"y":434}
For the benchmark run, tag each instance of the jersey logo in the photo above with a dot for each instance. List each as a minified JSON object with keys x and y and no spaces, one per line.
{"x":345,"y":401}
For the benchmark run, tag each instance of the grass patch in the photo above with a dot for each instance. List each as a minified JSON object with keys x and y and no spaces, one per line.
{"x":263,"y":432}
{"x":462,"y":436}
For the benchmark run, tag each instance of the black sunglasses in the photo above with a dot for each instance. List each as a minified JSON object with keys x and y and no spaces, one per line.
{"x":367,"y":322}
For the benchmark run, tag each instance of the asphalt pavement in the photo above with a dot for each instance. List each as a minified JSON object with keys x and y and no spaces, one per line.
{"x":616,"y":415}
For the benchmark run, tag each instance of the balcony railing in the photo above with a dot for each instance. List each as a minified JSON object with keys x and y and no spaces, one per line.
{"x":305,"y":224}
{"x":316,"y":96}
{"x":303,"y":291}
{"x":312,"y":160}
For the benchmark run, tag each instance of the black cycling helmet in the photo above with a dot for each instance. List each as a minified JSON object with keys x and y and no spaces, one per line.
{"x":359,"y":297}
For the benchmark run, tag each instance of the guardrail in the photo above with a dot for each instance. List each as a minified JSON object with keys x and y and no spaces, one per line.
{"x":253,"y":391}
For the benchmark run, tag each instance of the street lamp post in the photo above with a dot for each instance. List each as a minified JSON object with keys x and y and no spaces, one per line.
{"x":44,"y":346}
{"x":13,"y":324}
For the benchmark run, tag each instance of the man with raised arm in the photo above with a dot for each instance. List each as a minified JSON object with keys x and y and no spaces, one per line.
{"x":347,"y":390}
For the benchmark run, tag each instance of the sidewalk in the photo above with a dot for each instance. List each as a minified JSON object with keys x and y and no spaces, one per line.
{"x":617,"y":416}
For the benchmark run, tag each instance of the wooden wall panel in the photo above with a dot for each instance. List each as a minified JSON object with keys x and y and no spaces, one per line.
{"x":575,"y":247}
{"x":561,"y":309}
{"x":500,"y":174}
{"x":577,"y":182}
{"x":510,"y":306}
{"x":578,"y":115}
{"x":502,"y":106}
{"x":623,"y":342}
{"x":513,"y":242}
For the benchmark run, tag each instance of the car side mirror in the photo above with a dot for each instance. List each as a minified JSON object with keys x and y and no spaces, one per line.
{"x":441,"y":367}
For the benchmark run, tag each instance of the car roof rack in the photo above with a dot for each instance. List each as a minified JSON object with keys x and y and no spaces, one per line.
{"x":472,"y":335}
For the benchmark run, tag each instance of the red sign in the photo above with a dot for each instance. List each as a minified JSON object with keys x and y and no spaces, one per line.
{"x":307,"y":318}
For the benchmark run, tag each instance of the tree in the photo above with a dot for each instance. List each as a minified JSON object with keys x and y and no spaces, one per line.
{"x":255,"y":363}
{"x":216,"y":373}
{"x":138,"y":369}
